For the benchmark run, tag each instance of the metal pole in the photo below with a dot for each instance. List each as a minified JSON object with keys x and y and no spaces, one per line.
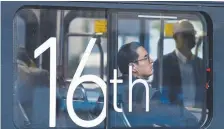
{"x":160,"y":53}
{"x":59,"y":36}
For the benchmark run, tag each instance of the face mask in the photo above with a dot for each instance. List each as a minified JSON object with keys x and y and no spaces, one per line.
{"x":189,"y":40}
{"x":190,"y":43}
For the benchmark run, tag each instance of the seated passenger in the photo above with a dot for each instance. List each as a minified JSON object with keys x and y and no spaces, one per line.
{"x":134,"y":54}
{"x":28,"y":79}
{"x":29,"y":74}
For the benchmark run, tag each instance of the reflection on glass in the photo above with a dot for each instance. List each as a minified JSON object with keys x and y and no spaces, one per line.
{"x":177,"y":85}
{"x":31,"y":89}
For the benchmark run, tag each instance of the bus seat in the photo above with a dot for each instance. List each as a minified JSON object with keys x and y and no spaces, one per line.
{"x":28,"y":82}
{"x":23,"y":94}
{"x":139,"y":105}
{"x":22,"y":104}
{"x":40,"y":110}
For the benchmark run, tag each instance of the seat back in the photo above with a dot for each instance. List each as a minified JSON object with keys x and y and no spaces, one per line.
{"x":40,"y":110}
{"x":31,"y":94}
{"x":23,"y":95}
{"x":138,"y":103}
{"x":20,"y":117}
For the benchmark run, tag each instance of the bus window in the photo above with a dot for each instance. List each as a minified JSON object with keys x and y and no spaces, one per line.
{"x":71,"y":31}
{"x":179,"y":72}
{"x":126,"y":35}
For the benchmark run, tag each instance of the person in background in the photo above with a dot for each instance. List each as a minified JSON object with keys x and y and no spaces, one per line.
{"x":22,"y":56}
{"x":183,"y":75}
{"x":135,"y":55}
{"x":29,"y":79}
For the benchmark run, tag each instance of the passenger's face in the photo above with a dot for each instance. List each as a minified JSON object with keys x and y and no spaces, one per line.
{"x":186,"y":41}
{"x":143,"y":67}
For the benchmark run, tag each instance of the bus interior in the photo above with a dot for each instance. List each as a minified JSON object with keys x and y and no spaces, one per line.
{"x":73,"y":30}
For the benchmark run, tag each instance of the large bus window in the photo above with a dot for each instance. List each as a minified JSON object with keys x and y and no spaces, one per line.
{"x":173,"y":68}
{"x":32,"y":84}
{"x":178,"y":87}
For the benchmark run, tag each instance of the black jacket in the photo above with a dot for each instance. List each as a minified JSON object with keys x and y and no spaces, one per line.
{"x":172,"y":79}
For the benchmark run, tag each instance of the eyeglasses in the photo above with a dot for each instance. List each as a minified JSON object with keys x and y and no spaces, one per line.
{"x":145,"y":58}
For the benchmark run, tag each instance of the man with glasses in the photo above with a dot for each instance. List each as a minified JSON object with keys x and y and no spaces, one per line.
{"x":183,"y":73}
{"x":135,"y":55}
{"x":159,"y":114}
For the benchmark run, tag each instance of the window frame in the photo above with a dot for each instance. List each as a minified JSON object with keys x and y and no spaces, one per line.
{"x":7,"y":42}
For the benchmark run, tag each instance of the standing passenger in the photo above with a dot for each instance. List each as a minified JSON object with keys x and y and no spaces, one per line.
{"x":183,"y":73}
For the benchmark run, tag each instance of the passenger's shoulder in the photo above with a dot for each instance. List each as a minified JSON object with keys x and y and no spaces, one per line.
{"x":166,"y":57}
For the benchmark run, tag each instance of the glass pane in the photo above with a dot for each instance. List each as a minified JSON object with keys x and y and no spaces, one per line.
{"x":78,"y":44}
{"x":32,"y":83}
{"x":177,"y":93}
{"x":127,"y":35}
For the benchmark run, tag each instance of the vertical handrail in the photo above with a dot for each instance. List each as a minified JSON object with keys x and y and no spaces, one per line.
{"x":160,"y":53}
{"x":60,"y":36}
{"x":98,"y":42}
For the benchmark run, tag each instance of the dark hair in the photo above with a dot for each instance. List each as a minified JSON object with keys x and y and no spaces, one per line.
{"x":126,"y":55}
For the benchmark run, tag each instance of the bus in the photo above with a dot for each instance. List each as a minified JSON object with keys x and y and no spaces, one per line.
{"x":25,"y":80}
